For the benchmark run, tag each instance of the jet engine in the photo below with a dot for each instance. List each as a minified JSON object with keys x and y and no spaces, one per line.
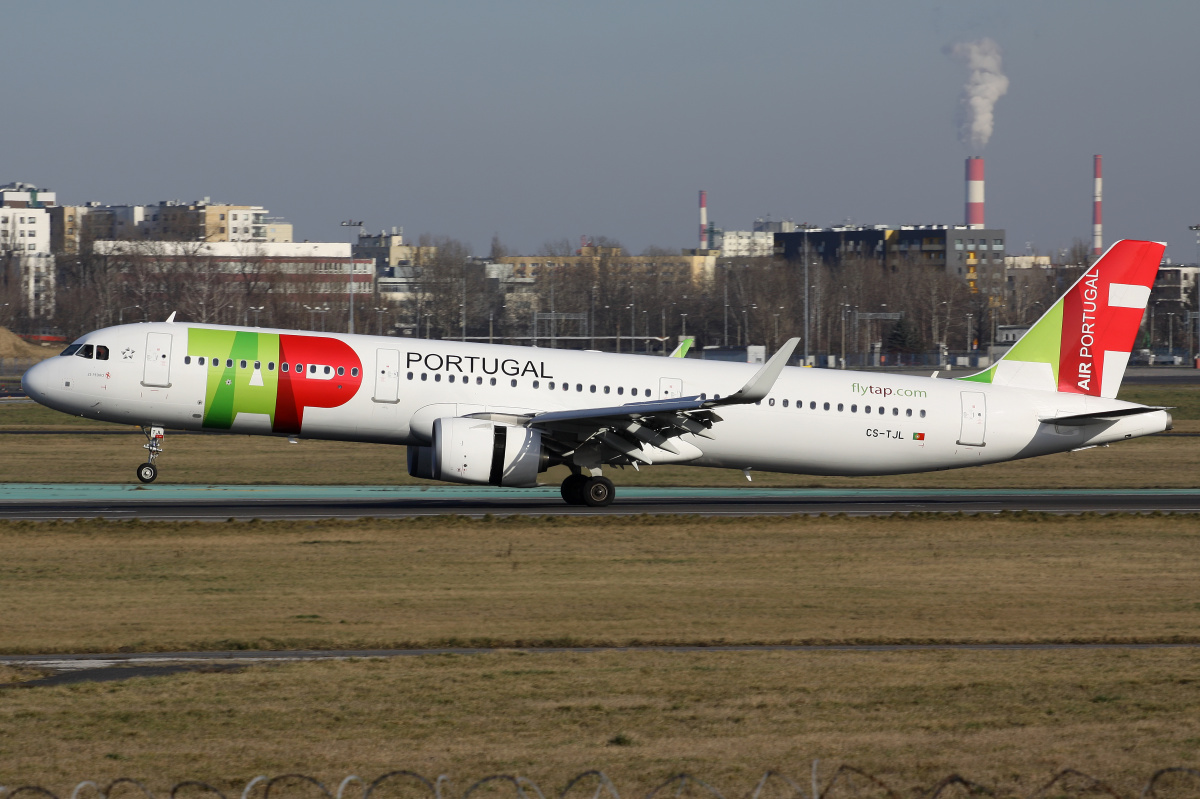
{"x":480,"y":452}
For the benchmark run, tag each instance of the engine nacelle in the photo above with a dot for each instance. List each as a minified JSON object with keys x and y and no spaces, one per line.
{"x":480,"y":452}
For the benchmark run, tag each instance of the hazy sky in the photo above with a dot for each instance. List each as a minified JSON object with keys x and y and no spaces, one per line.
{"x":540,"y":121}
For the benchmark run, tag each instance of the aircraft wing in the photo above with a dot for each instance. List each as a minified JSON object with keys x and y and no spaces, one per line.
{"x":644,"y":432}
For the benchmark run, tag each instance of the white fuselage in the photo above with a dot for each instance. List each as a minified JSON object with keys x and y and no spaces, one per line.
{"x":815,"y":421}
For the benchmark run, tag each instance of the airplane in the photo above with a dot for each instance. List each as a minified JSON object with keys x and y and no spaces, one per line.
{"x":490,"y":414}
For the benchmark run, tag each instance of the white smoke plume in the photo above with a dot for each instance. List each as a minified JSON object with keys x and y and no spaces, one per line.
{"x":985,"y":85}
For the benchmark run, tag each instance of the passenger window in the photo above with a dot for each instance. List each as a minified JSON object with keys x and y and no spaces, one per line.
{"x":908,"y":412}
{"x":514,"y":383}
{"x":922,"y":414}
{"x":479,"y":381}
{"x":882,"y":410}
{"x":895,"y":411}
{"x":270,"y":366}
{"x":854,"y":409}
{"x":841,"y":407}
{"x":242,"y":364}
{"x":633,"y":392}
{"x":827,"y":406}
{"x":620,"y":389}
{"x":85,"y":351}
{"x":450,"y":378}
{"x":354,"y":371}
{"x":200,"y":360}
{"x":549,"y":385}
{"x":593,"y":389}
{"x":187,"y":359}
{"x":866,"y":409}
{"x":298,"y":368}
{"x":606,"y":389}
{"x":283,"y":367}
{"x":71,"y":350}
{"x":424,"y":376}
{"x":771,"y":402}
{"x":785,"y":403}
{"x":813,"y":406}
{"x":258,"y":364}
{"x":579,"y":386}
{"x":410,"y":375}
{"x":215,"y":362}
{"x":102,"y":352}
{"x":536,"y":384}
{"x":312,"y":368}
{"x":229,"y":363}
{"x":492,"y":381}
{"x":437,"y":377}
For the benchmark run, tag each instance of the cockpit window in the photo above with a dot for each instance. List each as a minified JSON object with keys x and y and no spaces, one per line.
{"x":86,"y":351}
{"x":101,"y":352}
{"x":71,"y":350}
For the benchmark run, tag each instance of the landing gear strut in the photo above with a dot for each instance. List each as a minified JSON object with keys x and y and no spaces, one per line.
{"x":595,"y":492}
{"x":147,"y":472}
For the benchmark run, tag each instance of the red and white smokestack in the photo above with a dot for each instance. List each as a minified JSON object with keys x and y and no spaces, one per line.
{"x":975,"y":192}
{"x":703,"y":220}
{"x":1097,"y":209}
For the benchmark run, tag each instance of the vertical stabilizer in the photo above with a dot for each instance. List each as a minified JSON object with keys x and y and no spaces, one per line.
{"x":1082,"y":344}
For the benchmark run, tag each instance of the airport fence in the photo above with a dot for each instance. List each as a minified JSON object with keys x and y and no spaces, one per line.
{"x":847,"y":782}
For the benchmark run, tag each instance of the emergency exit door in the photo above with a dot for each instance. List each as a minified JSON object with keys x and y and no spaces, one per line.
{"x":974,"y":419}
{"x":157,"y":369}
{"x":387,"y":376}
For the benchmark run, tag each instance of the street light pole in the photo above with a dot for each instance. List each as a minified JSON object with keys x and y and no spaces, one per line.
{"x":358,"y":224}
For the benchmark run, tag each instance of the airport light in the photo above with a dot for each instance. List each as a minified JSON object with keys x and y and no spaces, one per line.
{"x":358,"y":224}
{"x":121,"y":313}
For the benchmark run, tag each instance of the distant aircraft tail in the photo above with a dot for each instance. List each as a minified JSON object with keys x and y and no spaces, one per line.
{"x":1082,"y":344}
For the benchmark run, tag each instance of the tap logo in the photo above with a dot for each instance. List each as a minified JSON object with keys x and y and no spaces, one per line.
{"x":274,"y":375}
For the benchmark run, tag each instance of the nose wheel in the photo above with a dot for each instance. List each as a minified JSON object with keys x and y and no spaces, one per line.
{"x":147,"y":472}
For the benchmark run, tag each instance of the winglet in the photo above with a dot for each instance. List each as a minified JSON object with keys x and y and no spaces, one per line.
{"x":171,"y":318}
{"x":764,"y":380}
{"x":682,"y":350}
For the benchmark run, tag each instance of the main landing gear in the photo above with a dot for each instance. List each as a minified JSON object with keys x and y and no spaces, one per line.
{"x":154,"y":440}
{"x":581,"y":489}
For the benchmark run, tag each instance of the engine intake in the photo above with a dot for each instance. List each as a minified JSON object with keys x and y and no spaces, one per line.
{"x":480,"y":452}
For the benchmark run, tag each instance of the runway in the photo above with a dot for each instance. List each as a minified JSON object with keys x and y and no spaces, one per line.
{"x":41,"y":502}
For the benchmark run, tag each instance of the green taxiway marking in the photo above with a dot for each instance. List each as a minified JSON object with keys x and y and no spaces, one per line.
{"x":24,"y":492}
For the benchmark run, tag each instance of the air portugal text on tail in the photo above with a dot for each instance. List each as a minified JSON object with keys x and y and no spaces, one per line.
{"x":500,"y":415}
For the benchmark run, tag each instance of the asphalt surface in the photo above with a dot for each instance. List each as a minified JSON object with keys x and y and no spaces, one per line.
{"x":218,"y":503}
{"x":63,"y":669}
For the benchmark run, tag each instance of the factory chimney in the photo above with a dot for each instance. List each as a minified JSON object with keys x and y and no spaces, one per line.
{"x":975,"y":192}
{"x":703,"y":220}
{"x":1097,"y":210}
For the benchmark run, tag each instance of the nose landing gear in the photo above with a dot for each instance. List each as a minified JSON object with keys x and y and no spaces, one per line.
{"x":147,"y":472}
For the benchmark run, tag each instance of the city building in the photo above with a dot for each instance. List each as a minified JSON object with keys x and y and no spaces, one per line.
{"x":169,"y":220}
{"x":389,"y":250}
{"x":974,"y":254}
{"x":27,"y":274}
{"x":301,"y":272}
{"x":698,"y":266}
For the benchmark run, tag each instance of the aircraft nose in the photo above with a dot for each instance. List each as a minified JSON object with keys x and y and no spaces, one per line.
{"x":37,"y":380}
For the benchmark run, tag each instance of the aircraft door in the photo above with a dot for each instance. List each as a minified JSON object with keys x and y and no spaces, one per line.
{"x":669,"y":387}
{"x":387,"y":376}
{"x":157,"y":371}
{"x":974,"y":419}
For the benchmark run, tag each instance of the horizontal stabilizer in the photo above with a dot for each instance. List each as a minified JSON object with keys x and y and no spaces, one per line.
{"x":1080,"y":419}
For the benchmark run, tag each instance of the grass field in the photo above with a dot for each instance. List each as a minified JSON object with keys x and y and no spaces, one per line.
{"x":95,"y":586}
{"x":1006,"y":719}
{"x":1151,"y":462}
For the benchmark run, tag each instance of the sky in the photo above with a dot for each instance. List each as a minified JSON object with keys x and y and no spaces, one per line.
{"x":543,"y":121}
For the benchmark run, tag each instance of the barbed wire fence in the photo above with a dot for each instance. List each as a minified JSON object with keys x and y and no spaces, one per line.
{"x":846,"y":782}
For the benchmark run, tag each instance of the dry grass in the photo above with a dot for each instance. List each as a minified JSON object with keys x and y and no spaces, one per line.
{"x":1005,"y":719}
{"x":94,"y":586}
